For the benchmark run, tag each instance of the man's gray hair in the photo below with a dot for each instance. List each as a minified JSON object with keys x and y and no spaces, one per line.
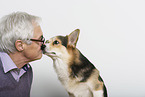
{"x":16,"y":26}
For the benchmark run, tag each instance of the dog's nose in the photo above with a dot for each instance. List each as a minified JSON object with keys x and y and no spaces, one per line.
{"x":43,"y":46}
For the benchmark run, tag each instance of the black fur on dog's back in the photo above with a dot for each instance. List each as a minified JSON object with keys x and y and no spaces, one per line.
{"x":104,"y":87}
{"x":85,"y":68}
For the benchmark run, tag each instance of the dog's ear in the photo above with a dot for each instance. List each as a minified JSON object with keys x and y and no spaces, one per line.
{"x":73,"y":38}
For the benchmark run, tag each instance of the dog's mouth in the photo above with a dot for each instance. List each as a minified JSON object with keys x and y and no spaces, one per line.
{"x":49,"y":53}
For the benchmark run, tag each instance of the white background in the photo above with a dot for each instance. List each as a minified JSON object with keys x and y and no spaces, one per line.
{"x":112,"y":37}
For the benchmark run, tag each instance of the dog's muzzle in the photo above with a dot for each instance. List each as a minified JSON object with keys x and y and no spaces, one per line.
{"x":43,"y":46}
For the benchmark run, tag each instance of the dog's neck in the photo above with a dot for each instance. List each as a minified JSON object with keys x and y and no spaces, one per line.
{"x":61,"y":68}
{"x":59,"y":63}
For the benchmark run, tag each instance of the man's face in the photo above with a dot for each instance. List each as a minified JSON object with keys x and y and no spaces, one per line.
{"x":33,"y":51}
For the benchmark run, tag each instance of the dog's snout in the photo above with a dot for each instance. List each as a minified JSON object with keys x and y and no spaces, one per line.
{"x":43,"y":46}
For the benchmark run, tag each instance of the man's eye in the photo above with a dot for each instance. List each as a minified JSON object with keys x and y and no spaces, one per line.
{"x":55,"y":42}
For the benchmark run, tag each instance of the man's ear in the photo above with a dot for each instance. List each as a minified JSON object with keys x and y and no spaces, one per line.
{"x":19,"y":45}
{"x":73,"y":38}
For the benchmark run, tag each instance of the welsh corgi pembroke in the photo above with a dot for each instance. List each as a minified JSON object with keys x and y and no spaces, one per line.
{"x":77,"y":74}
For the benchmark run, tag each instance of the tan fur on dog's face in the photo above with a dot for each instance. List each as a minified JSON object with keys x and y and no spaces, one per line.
{"x":55,"y":49}
{"x":61,"y":46}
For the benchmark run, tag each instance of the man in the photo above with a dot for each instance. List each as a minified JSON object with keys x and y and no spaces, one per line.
{"x":21,"y":39}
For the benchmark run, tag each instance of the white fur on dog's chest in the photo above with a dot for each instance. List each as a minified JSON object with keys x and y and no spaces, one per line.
{"x":62,"y":70}
{"x":70,"y":85}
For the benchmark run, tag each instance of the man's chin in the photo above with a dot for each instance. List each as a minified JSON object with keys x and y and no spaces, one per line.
{"x":38,"y":57}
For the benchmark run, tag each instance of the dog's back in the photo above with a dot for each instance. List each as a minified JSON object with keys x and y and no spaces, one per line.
{"x":77,"y":74}
{"x":86,"y":73}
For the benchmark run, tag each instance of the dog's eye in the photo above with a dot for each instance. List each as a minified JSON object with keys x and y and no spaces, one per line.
{"x":55,"y":42}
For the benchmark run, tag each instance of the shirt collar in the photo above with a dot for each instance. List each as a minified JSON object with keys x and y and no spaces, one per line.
{"x":7,"y":62}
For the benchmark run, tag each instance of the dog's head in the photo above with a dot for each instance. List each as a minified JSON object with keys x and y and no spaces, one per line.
{"x":61,"y":46}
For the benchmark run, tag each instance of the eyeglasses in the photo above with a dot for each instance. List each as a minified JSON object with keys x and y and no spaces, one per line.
{"x":39,"y":40}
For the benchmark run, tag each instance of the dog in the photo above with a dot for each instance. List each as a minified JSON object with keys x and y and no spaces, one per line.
{"x":77,"y":74}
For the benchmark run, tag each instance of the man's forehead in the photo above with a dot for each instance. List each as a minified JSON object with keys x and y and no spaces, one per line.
{"x":37,"y":32}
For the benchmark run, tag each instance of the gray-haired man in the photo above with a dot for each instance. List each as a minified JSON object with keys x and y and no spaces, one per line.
{"x":21,"y":39}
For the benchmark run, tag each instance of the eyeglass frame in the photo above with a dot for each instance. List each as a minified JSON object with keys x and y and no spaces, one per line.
{"x":37,"y":40}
